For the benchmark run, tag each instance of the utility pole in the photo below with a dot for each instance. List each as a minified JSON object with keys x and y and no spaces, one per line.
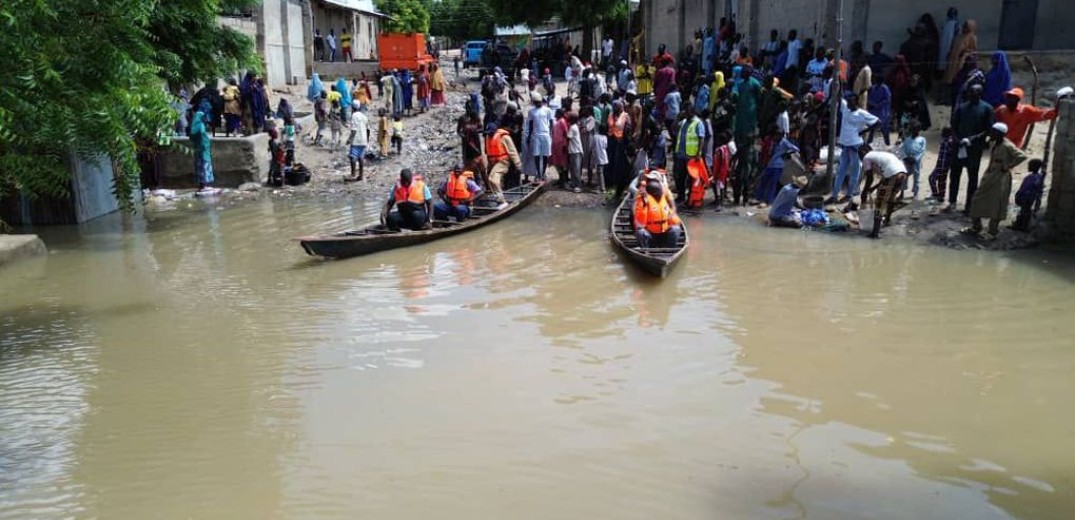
{"x":835,"y":94}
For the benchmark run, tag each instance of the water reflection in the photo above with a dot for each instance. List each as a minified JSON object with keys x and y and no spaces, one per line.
{"x":196,"y":362}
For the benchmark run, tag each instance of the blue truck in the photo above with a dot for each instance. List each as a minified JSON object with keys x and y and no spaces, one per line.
{"x":472,"y":53}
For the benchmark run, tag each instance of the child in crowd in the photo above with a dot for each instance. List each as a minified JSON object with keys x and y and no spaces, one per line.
{"x":383,"y":132}
{"x":397,"y":134}
{"x":1028,"y":198}
{"x":913,"y":149}
{"x":321,"y":116}
{"x":600,"y":158}
{"x":574,"y":151}
{"x":335,"y":122}
{"x":276,"y":159}
{"x":938,"y":179}
{"x":289,"y":140}
{"x":722,"y":167}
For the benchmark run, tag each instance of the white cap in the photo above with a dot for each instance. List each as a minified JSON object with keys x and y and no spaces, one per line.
{"x":1064,"y":92}
{"x":1000,"y":127}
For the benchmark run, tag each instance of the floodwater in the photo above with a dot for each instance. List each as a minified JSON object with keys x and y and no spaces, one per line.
{"x":195,"y":364}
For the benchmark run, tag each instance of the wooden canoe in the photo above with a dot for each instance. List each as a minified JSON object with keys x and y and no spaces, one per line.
{"x":379,"y":238}
{"x":656,"y":261}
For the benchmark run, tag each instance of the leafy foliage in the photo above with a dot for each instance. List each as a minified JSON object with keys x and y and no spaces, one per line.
{"x":87,"y":77}
{"x":407,"y":16}
{"x":461,"y":19}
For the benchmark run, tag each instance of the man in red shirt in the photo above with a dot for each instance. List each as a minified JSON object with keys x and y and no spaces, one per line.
{"x":1019,"y":117}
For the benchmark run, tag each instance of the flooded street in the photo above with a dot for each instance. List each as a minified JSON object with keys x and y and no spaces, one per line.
{"x":196,"y":364}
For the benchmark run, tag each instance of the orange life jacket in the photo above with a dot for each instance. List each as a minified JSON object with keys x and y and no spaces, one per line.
{"x":656,"y":216}
{"x":414,"y":193}
{"x":494,"y":146}
{"x":456,"y":190}
{"x":699,"y":181}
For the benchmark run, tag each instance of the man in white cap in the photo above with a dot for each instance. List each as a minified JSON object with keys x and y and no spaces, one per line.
{"x":991,"y":200}
{"x":538,"y":133}
{"x":359,"y":140}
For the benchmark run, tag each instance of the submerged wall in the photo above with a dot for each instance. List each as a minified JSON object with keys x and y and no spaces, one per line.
{"x":1060,"y":213}
{"x":236,"y":160}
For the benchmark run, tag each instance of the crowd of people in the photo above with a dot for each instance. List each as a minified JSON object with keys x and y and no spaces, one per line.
{"x":747,"y":123}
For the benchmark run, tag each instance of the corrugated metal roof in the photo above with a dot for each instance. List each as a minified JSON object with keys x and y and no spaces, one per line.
{"x":362,"y":6}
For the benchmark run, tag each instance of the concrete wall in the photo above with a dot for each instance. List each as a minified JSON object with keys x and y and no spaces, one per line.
{"x":673,"y":21}
{"x":332,"y":71}
{"x":91,"y":187}
{"x":281,"y":40}
{"x":236,"y":160}
{"x":1060,"y":212}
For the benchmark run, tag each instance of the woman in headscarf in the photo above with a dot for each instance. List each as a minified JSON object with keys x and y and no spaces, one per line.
{"x":408,"y":91}
{"x":345,"y":99}
{"x":437,"y":86}
{"x":933,"y":37}
{"x":253,"y":103}
{"x":423,"y":88}
{"x":965,"y":43}
{"x":899,"y":82}
{"x":232,"y":108}
{"x":284,"y":110}
{"x":313,"y":92}
{"x":199,"y":138}
{"x":948,"y":36}
{"x":998,"y":80}
{"x":969,"y":75}
{"x":397,"y":93}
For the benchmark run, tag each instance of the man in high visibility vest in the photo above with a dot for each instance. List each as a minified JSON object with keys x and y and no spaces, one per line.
{"x":500,"y":150}
{"x":413,"y":202}
{"x":656,"y":221}
{"x":689,"y":139}
{"x":456,"y":193}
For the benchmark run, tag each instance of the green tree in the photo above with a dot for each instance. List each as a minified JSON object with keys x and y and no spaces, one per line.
{"x":461,"y":19}
{"x":88,"y":77}
{"x":590,"y":14}
{"x":407,"y":16}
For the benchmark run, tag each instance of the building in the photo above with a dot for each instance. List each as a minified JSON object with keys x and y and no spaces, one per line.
{"x":359,"y":17}
{"x":1003,"y":24}
{"x":362,"y":21}
{"x":279,"y":30}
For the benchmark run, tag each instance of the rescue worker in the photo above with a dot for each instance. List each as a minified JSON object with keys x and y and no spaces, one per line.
{"x":413,"y":201}
{"x":500,"y":150}
{"x":457,"y":193}
{"x":656,"y":222}
{"x":690,"y":136}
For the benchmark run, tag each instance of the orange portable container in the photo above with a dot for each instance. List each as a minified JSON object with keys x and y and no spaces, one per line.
{"x":403,"y":51}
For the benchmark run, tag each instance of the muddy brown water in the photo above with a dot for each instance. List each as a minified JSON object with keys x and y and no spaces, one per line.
{"x":195,"y":364}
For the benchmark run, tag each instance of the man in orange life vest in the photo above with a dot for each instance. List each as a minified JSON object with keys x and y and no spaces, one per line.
{"x":456,"y":193}
{"x":656,"y":222}
{"x":500,"y":150}
{"x":413,"y":201}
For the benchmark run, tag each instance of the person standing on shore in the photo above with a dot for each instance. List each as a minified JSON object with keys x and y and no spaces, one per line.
{"x":970,"y":122}
{"x":991,"y":201}
{"x":359,"y":140}
{"x":539,"y":133}
{"x":319,"y":46}
{"x":437,"y":86}
{"x":203,"y":155}
{"x":330,"y":42}
{"x":855,"y":122}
